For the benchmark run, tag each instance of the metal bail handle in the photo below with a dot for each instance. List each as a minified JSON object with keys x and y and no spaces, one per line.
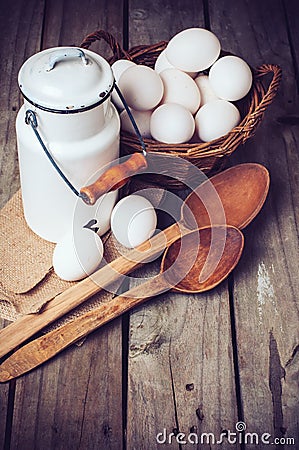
{"x":30,"y":119}
{"x":63,"y":54}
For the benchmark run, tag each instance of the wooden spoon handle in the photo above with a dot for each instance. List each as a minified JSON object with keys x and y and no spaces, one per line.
{"x":47,"y":346}
{"x":26,"y":326}
{"x":113,"y":178}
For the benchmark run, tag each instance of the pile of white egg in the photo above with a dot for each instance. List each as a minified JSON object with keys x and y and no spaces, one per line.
{"x":177,"y":101}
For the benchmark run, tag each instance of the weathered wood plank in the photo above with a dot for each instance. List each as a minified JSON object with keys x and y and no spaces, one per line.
{"x":21,"y":31}
{"x":180,"y":367}
{"x":181,"y":375}
{"x":266,"y":281}
{"x":4,"y":407}
{"x":203,"y":357}
{"x":18,"y":24}
{"x":291,"y":17}
{"x":76,"y":399}
{"x":151,"y":403}
{"x":68,"y":22}
{"x":160,"y":20}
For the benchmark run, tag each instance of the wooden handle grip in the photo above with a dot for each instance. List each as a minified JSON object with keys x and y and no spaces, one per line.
{"x":113,"y":178}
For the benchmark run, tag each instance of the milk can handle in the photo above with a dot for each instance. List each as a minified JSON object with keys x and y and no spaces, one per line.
{"x":62,"y":54}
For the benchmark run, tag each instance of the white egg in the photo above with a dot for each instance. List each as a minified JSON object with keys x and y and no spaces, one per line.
{"x":181,"y":89}
{"x":172,"y":124}
{"x":133,"y":220}
{"x":142,"y":119}
{"x":215,"y":119}
{"x":118,"y":68}
{"x":141,"y":87}
{"x":77,"y":254}
{"x":230,"y":78}
{"x":162,"y":63}
{"x":206,"y":92}
{"x":193,"y":49}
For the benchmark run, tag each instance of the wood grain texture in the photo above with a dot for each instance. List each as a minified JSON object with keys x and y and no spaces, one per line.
{"x":180,"y":350}
{"x":266,"y":284}
{"x":4,"y":406}
{"x":160,"y":20}
{"x":68,"y":22}
{"x":149,"y":374}
{"x":290,"y":9}
{"x":20,"y":23}
{"x":47,"y":346}
{"x":114,"y":178}
{"x":74,"y":401}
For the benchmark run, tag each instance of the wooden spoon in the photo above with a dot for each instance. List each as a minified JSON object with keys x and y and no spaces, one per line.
{"x":182,"y":267}
{"x":233,"y":197}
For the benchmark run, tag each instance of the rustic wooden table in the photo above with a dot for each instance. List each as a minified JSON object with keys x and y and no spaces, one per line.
{"x":194,"y":364}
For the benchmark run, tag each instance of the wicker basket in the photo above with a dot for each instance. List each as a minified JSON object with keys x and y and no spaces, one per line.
{"x":209,"y":157}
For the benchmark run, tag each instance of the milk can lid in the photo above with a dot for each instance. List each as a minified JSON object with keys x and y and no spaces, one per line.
{"x":66,"y":79}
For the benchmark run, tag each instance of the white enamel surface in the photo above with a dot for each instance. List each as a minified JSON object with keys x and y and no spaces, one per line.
{"x":81,"y":152}
{"x":100,"y":212}
{"x":70,"y":85}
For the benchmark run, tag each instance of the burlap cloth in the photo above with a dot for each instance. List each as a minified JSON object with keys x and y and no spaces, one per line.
{"x":27,"y":278}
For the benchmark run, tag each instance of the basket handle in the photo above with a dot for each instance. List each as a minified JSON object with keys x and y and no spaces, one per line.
{"x":118,"y":51}
{"x":271,"y":92}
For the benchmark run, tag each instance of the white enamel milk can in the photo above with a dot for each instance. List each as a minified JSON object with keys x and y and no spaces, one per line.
{"x":67,"y":134}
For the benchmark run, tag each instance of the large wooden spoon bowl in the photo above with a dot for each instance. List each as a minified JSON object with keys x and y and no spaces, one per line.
{"x":234,"y":197}
{"x":211,"y":253}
